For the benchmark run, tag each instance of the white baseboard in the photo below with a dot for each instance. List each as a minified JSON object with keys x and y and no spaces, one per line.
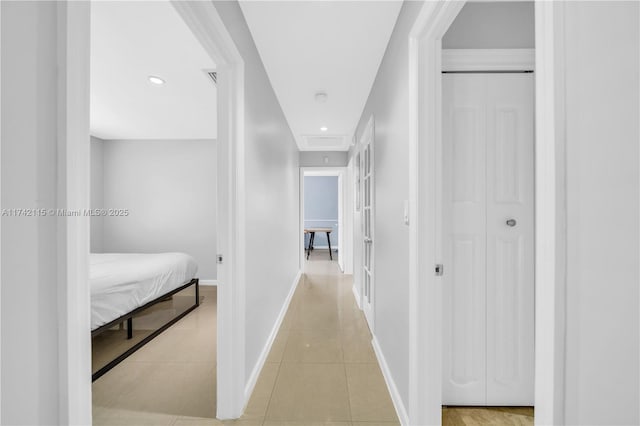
{"x":209,"y":282}
{"x":356,"y":294}
{"x":255,"y":373}
{"x":401,"y":411}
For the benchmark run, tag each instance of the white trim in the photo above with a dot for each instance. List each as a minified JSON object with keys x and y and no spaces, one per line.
{"x":425,"y":292}
{"x":401,"y":411}
{"x":356,"y":294}
{"x":550,"y":269}
{"x":0,"y":220}
{"x":368,"y":132}
{"x":425,"y":239}
{"x":208,"y":283}
{"x":314,"y":171}
{"x":488,"y":59}
{"x":341,"y":216}
{"x":205,"y":23}
{"x":368,"y":138}
{"x":347,"y":212}
{"x":74,"y":314}
{"x":303,"y":255}
{"x":255,"y":373}
{"x":321,"y":220}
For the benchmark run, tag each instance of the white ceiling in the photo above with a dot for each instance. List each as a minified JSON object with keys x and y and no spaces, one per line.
{"x":321,"y":46}
{"x":131,"y":41}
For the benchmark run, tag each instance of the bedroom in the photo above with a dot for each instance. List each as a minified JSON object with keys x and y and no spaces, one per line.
{"x":153,"y":191}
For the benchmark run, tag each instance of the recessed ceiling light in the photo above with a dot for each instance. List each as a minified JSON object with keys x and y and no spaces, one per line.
{"x":156,"y":80}
{"x":324,"y":128}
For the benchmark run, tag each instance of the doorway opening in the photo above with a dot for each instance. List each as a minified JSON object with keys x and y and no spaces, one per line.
{"x":322,"y":195}
{"x":205,"y":23}
{"x":153,"y":266}
{"x":487,"y":215}
{"x":427,"y":61}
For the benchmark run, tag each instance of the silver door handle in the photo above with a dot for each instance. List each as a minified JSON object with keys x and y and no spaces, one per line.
{"x":511,"y":222}
{"x":368,"y":240}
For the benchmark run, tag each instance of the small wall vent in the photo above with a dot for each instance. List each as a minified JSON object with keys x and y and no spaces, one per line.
{"x":213,"y":76}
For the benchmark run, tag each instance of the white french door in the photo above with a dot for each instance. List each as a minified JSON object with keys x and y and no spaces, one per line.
{"x":368,"y":282}
{"x":488,"y":239}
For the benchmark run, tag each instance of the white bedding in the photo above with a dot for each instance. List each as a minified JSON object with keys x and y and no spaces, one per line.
{"x":121,"y":282}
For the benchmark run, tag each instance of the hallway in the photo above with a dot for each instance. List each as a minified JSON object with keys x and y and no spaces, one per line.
{"x":321,"y":368}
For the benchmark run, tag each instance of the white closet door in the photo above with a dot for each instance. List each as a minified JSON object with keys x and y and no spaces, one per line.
{"x":488,"y":282}
{"x":464,"y":217}
{"x":510,"y":227}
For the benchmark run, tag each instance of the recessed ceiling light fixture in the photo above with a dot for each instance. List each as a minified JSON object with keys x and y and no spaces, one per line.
{"x":156,"y":80}
{"x":324,"y":128}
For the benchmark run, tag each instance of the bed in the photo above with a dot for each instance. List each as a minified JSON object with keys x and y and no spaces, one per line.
{"x":124,"y":284}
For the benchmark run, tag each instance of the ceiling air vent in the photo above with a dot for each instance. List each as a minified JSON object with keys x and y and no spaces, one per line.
{"x":322,"y":142}
{"x":213,"y":76}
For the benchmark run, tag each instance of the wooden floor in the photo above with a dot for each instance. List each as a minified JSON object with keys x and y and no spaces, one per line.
{"x":476,"y":416}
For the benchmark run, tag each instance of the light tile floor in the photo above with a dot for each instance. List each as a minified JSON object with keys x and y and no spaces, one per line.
{"x":172,"y":376}
{"x":321,"y":369}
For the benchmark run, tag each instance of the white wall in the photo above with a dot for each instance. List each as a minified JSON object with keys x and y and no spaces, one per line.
{"x":29,"y":371}
{"x":317,"y":158}
{"x":97,"y":194}
{"x":272,"y":193}
{"x":389,"y":103}
{"x":602,"y":114}
{"x":169,"y":188}
{"x":498,"y":25}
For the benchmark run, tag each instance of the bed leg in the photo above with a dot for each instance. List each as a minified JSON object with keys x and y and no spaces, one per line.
{"x":197,"y":292}
{"x":129,"y":328}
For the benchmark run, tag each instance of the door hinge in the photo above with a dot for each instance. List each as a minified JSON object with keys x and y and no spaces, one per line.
{"x":439,"y":270}
{"x":219,"y":259}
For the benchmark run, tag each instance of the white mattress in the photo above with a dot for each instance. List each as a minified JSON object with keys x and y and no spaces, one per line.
{"x":121,"y":282}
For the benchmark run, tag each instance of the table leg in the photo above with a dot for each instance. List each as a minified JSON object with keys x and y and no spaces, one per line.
{"x":310,"y":245}
{"x":329,"y":242}
{"x":129,"y":328}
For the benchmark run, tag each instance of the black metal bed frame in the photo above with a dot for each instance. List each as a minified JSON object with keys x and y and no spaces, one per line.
{"x":129,"y":318}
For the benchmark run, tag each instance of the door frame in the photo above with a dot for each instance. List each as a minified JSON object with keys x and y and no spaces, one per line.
{"x":476,"y":62}
{"x":206,"y":24}
{"x":425,"y":236}
{"x":343,"y":226}
{"x":367,"y":137}
{"x":73,"y":169}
